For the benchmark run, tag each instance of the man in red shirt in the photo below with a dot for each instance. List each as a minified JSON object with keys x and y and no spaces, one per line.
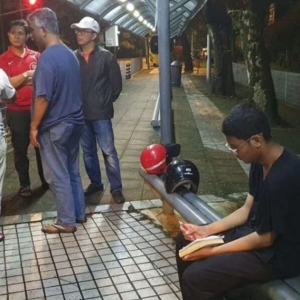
{"x":19,"y":63}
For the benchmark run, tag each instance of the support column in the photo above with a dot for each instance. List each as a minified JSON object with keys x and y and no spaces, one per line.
{"x":163,"y":22}
{"x":147,"y":52}
{"x":208,"y":65}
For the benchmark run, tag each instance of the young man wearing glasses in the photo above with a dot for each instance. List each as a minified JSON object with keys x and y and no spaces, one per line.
{"x":19,"y":63}
{"x":101,"y":86}
{"x":262,"y":240}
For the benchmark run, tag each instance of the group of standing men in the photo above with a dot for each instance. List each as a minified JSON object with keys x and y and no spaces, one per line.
{"x":63,"y":98}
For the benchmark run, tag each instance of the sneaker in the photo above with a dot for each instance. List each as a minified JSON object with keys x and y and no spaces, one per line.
{"x":118,"y":196}
{"x":92,"y":189}
{"x":1,"y":237}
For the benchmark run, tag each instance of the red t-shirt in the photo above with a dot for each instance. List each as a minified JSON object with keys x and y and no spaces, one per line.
{"x":86,"y":56}
{"x":14,"y":65}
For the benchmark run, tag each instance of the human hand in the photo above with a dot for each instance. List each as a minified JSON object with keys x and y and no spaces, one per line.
{"x":28,"y":81}
{"x":192,"y":232}
{"x":33,"y":138}
{"x":30,"y":73}
{"x":199,"y":254}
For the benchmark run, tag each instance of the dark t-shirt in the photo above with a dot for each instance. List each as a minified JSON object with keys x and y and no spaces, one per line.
{"x":57,"y":78}
{"x":276,"y":208}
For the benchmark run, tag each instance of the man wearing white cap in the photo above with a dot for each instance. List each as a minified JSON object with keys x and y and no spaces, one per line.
{"x":101,"y":86}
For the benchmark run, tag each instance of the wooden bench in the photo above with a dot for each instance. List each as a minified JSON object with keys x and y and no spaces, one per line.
{"x":195,"y":210}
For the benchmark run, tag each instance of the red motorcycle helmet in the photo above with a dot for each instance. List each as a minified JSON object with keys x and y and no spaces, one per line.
{"x":153,"y":159}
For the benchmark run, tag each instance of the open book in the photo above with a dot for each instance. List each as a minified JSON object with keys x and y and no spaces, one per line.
{"x":213,"y":240}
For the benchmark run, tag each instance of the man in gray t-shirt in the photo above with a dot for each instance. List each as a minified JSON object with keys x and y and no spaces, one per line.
{"x":7,"y":94}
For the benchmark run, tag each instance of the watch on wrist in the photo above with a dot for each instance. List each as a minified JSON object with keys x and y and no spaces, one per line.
{"x":25,"y":75}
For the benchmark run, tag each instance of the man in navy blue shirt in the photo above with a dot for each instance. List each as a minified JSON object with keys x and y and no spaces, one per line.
{"x":57,"y":122}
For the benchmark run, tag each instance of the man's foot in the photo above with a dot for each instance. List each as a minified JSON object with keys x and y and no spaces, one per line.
{"x":118,"y":196}
{"x":81,"y":221}
{"x":1,"y":237}
{"x":45,"y":185}
{"x":57,"y":228}
{"x":92,"y":189}
{"x":25,"y":192}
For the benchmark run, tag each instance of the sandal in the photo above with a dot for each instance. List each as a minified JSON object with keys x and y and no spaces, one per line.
{"x":25,"y":192}
{"x":56,"y":228}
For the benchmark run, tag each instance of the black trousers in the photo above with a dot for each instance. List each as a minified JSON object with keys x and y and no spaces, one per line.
{"x":19,"y":125}
{"x":210,"y":278}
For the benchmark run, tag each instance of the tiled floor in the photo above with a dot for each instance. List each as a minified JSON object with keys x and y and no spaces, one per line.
{"x":115,"y":255}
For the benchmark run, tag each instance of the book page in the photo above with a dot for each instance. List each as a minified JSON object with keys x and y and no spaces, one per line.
{"x":211,"y":237}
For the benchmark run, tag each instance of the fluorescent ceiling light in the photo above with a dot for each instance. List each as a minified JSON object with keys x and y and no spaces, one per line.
{"x":130,"y":7}
{"x":136,"y":13}
{"x":141,"y":19}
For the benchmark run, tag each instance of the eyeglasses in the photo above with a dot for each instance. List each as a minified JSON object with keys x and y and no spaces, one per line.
{"x":83,"y":31}
{"x":235,"y":151}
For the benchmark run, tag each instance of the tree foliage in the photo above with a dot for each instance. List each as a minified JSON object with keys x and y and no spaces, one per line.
{"x":283,"y":37}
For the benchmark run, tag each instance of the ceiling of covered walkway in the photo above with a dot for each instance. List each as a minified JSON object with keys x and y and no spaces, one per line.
{"x":138,"y":16}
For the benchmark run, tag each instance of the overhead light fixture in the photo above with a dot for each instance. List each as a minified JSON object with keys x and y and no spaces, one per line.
{"x":122,"y":0}
{"x":130,"y":7}
{"x":153,"y":29}
{"x":136,"y":13}
{"x":141,"y":19}
{"x":145,"y":22}
{"x":148,"y":25}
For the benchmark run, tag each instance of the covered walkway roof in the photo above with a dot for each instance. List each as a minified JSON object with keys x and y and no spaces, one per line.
{"x":139,"y":16}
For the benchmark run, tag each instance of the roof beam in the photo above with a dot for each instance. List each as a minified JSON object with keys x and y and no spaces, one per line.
{"x":178,"y":5}
{"x":176,"y":17}
{"x":135,"y":26}
{"x":115,"y":5}
{"x":85,"y":3}
{"x":152,"y":6}
{"x":175,"y":23}
{"x":127,"y":23}
{"x":123,"y":14}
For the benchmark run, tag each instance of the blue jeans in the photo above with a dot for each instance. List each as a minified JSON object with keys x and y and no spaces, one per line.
{"x":60,"y":159}
{"x":101,"y":131}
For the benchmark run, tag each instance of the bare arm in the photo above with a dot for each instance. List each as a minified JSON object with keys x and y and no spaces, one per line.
{"x":237,"y":218}
{"x":247,"y":243}
{"x":40,"y":108}
{"x":20,"y":80}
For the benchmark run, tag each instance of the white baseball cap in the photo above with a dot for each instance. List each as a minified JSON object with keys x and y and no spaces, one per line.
{"x":87,"y":23}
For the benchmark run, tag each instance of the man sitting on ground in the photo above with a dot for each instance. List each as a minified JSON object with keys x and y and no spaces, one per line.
{"x":262,"y":240}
